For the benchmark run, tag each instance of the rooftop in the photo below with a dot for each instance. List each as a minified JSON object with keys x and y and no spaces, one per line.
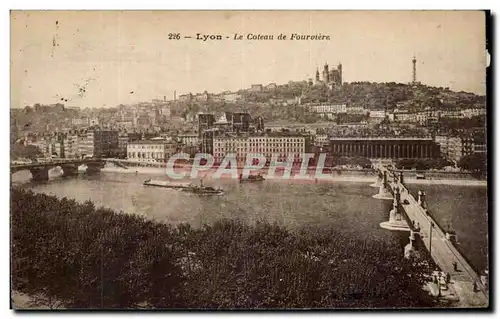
{"x":188,"y":135}
{"x":152,"y":141}
{"x":375,"y":138}
{"x":256,"y":135}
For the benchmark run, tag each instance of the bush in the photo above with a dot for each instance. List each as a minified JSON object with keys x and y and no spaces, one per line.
{"x":474,"y":163}
{"x":422,"y":164}
{"x":21,"y":151}
{"x":79,"y":256}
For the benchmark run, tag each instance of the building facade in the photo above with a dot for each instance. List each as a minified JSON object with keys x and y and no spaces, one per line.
{"x":71,"y":146}
{"x":151,"y":151}
{"x":450,"y":146}
{"x":320,"y":139}
{"x":85,"y":121}
{"x":230,"y":96}
{"x":190,"y":139}
{"x":356,"y":110}
{"x":327,"y":108}
{"x":256,"y":88}
{"x":271,"y":86}
{"x":381,"y":147}
{"x":98,"y":143}
{"x":268,"y":145}
{"x":207,"y":140}
{"x":377,"y":114}
{"x":122,"y":144}
{"x":468,"y":113}
{"x":455,"y":147}
{"x":205,"y":121}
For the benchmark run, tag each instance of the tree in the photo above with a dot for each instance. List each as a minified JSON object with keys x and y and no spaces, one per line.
{"x":363,"y":162}
{"x":78,"y":256}
{"x":475,"y":162}
{"x":21,"y":151}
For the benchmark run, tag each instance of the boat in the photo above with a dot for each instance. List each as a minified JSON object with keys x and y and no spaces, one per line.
{"x":252,"y":178}
{"x":166,"y":184}
{"x":420,"y":176}
{"x":186,"y":187}
{"x":203,"y":190}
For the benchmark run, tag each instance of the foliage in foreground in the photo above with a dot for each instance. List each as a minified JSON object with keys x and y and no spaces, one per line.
{"x":75,"y":255}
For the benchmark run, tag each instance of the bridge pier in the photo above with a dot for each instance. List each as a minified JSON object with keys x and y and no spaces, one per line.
{"x":378,"y":182}
{"x":93,"y":168}
{"x":69,"y":170}
{"x":410,"y":249}
{"x":383,"y":191}
{"x":396,"y":218}
{"x":40,"y":174}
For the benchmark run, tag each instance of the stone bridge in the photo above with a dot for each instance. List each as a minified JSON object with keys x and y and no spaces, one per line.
{"x":413,"y":216}
{"x":40,"y":170}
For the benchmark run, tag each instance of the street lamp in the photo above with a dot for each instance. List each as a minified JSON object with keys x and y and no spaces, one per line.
{"x":430,"y":238}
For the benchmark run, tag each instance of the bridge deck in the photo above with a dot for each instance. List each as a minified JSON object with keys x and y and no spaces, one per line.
{"x":52,"y":163}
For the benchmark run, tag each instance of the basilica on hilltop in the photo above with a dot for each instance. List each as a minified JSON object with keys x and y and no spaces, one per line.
{"x":330,"y":77}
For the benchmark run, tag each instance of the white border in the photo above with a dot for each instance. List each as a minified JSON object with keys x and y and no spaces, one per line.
{"x":192,"y":5}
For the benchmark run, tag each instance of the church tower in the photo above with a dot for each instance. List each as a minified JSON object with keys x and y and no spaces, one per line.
{"x":339,"y":67}
{"x":325,"y":73}
{"x":316,"y":78}
{"x":414,"y":73}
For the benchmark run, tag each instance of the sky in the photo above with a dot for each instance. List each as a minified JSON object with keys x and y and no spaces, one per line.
{"x":107,"y":58}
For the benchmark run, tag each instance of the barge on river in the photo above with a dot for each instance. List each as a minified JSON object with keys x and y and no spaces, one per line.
{"x":185,"y":187}
{"x":166,"y":184}
{"x":252,"y":178}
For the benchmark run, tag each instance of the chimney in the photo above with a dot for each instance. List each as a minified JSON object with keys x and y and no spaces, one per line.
{"x":175,"y":95}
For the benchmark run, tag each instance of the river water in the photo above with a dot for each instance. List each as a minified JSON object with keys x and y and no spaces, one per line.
{"x":347,"y":206}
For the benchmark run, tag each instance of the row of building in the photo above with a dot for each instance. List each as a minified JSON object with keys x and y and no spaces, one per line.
{"x":156,"y":150}
{"x":455,"y":147}
{"x":91,"y":142}
{"x":330,"y":110}
{"x":429,"y":116}
{"x":239,"y":134}
{"x":227,"y":96}
{"x":279,"y":145}
{"x":295,"y":145}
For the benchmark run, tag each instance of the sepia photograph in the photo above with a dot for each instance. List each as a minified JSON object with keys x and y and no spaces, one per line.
{"x":251,"y":160}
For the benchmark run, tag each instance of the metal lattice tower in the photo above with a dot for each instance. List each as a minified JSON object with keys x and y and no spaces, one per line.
{"x":414,"y":74}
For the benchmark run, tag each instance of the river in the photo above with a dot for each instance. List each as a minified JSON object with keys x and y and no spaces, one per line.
{"x":347,"y":206}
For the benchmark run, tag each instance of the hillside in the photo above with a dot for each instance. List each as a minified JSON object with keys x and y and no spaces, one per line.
{"x":285,"y":102}
{"x":282,"y":103}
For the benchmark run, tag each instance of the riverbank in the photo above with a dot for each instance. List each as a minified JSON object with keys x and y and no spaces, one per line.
{"x":337,"y":176}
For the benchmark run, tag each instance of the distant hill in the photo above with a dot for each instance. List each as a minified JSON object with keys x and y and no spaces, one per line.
{"x":273,"y":104}
{"x":386,"y":95}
